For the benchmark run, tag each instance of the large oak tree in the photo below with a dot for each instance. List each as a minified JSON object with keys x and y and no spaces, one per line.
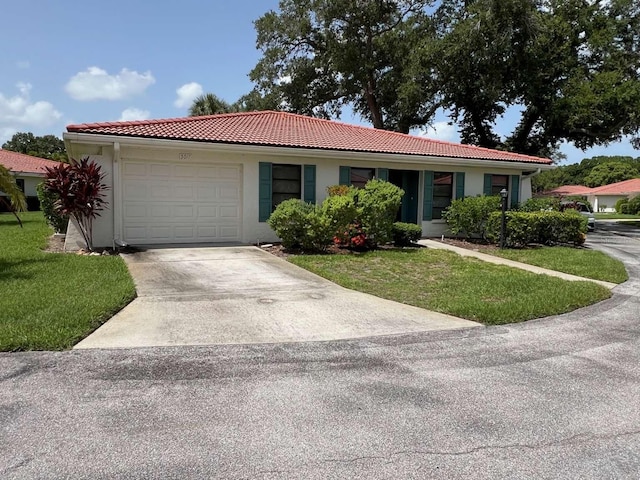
{"x":571,"y":68}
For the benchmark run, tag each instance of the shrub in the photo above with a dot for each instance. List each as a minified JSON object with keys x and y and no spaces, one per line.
{"x":333,"y":190}
{"x":468,"y":216}
{"x":547,"y":227}
{"x":624,"y":208}
{"x":539,"y":204}
{"x":634,"y":205}
{"x":47,"y":205}
{"x":406,"y":233}
{"x":318,"y":233}
{"x":301,"y":225}
{"x":363,"y":217}
{"x":378,"y":203}
{"x":342,"y":214}
{"x":619,"y":204}
{"x":360,"y":218}
{"x":289,"y":221}
{"x":79,"y":193}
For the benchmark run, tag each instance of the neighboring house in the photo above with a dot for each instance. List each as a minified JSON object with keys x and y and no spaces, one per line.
{"x":604,"y":198}
{"x":568,"y":191}
{"x":218,"y":178}
{"x":28,"y":171}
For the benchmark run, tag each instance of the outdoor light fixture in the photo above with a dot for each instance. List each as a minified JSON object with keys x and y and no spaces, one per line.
{"x":503,"y":225}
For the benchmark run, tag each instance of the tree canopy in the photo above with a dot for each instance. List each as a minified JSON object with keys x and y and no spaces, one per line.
{"x":47,"y":146}
{"x":578,"y":173}
{"x":610,"y":172}
{"x":569,"y":67}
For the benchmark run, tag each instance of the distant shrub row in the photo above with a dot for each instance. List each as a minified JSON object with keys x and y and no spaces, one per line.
{"x":537,"y":221}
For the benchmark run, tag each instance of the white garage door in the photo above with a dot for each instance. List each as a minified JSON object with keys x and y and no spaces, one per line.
{"x":169,"y":203}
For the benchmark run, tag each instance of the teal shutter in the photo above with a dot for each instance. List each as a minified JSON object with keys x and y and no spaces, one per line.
{"x":264,"y":191}
{"x":515,"y":190}
{"x":487,"y":184}
{"x":345,"y":175}
{"x":460,"y":185}
{"x":310,"y":184}
{"x":427,"y":201}
{"x":383,"y":174}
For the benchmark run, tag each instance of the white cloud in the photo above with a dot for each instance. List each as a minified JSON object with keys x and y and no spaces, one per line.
{"x":96,"y":84}
{"x":187,"y":94}
{"x":19,"y":112}
{"x":132,"y":113}
{"x":440,"y":131}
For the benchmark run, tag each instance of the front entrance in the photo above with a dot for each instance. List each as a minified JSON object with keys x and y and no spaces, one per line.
{"x":407,"y":180}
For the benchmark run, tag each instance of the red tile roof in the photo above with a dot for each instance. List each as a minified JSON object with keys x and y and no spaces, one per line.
{"x":19,"y":162}
{"x":570,"y":190}
{"x":290,"y":130}
{"x":621,"y":188}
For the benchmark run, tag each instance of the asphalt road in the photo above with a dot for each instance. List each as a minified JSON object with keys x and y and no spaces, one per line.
{"x":553,"y":398}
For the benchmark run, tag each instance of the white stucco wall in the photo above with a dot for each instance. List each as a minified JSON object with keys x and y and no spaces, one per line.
{"x":108,"y":225}
{"x":30,"y":183}
{"x":606,"y":203}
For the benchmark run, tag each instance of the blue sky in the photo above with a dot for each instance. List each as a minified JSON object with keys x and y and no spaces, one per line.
{"x":86,"y":61}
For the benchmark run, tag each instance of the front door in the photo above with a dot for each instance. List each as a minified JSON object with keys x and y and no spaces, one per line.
{"x":408,"y":181}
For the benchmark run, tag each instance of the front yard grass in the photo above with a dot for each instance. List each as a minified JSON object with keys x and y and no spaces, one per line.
{"x":50,"y":301}
{"x":575,"y":261}
{"x":614,"y":216}
{"x":448,"y":283}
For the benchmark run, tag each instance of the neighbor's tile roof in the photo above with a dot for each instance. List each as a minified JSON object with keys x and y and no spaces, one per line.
{"x":570,"y":190}
{"x":19,"y":162}
{"x":290,"y":130}
{"x":621,"y":188}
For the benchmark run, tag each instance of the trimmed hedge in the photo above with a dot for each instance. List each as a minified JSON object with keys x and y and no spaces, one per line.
{"x":548,"y":227}
{"x":634,"y":205}
{"x":405,"y":234}
{"x":301,"y":225}
{"x":620,"y":203}
{"x":469,"y":215}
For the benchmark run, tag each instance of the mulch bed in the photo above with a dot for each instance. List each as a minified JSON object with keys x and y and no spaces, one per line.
{"x":469,"y":244}
{"x":55,"y":244}
{"x":279,"y":251}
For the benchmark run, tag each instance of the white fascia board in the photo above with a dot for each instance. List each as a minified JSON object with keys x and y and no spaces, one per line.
{"x":16,"y":173}
{"x":99,"y":139}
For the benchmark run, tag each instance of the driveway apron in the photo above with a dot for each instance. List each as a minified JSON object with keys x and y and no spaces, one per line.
{"x":228,"y":295}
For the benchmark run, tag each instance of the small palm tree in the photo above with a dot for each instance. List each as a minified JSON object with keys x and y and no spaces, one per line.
{"x":14,"y":200}
{"x":210,"y":104}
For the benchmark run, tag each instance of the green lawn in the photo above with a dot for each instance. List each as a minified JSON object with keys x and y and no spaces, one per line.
{"x":576,"y":261}
{"x":615,"y":216}
{"x":50,"y":301}
{"x":446,"y":282}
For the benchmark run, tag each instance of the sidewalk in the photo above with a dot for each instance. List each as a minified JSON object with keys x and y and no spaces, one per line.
{"x":510,"y":263}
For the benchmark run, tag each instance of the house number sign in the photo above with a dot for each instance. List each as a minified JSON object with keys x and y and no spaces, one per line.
{"x":184,"y":156}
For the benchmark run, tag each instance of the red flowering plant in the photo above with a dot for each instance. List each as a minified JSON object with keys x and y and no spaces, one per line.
{"x":79,"y":191}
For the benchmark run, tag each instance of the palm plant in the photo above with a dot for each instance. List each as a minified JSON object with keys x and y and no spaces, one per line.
{"x":210,"y":104}
{"x":14,"y":200}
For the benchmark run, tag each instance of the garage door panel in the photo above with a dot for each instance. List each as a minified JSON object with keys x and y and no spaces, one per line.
{"x":160,"y":170}
{"x":229,"y":193}
{"x":184,"y":232}
{"x":207,"y":211}
{"x":165,"y":203}
{"x":135,"y":168}
{"x":229,"y":211}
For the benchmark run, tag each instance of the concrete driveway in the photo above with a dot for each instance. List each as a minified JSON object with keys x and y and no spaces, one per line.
{"x":223,"y":295}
